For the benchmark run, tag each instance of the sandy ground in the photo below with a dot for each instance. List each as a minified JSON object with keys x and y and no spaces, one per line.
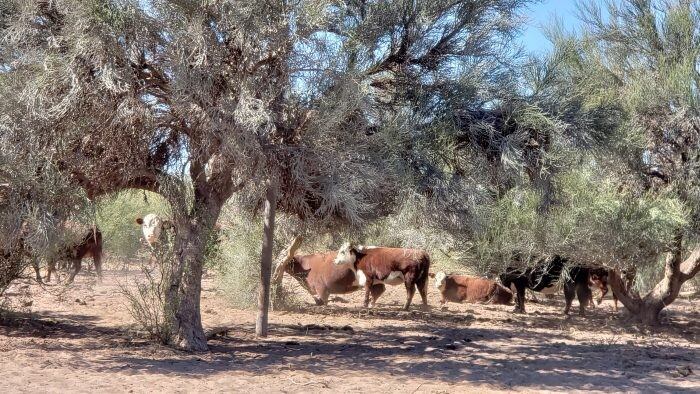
{"x":81,"y":339}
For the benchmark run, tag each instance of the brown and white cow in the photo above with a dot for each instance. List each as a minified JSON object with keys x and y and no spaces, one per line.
{"x":599,"y":279}
{"x":322,"y":278}
{"x":89,"y":246}
{"x":461,"y":288}
{"x":152,"y":227}
{"x":392,"y":266}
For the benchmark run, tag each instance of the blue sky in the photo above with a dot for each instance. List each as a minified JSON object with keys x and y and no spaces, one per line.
{"x":541,"y":15}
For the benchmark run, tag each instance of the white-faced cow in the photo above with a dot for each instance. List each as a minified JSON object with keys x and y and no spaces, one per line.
{"x":322,"y":278}
{"x":392,"y":266}
{"x":461,"y":288}
{"x":152,"y":227}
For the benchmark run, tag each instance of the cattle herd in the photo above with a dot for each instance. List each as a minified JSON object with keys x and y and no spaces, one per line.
{"x":355,"y":267}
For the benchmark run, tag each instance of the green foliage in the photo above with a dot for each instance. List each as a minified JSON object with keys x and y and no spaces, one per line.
{"x":238,"y":259}
{"x":116,"y":217}
{"x":594,"y":222}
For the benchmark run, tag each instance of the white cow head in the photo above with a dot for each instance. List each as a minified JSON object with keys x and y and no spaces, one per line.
{"x":346,"y":255}
{"x":152,"y":227}
{"x":440,"y":278}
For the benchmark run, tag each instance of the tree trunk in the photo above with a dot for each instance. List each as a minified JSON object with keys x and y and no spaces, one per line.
{"x":185,"y":278}
{"x":266,"y":259}
{"x":676,"y":271}
{"x":283,"y":259}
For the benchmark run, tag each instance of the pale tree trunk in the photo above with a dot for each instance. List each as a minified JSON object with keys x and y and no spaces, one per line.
{"x":283,"y":259}
{"x":266,"y":259}
{"x":676,"y":271}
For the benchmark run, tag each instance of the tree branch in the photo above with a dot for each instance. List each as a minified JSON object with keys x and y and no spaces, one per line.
{"x":691,"y":265}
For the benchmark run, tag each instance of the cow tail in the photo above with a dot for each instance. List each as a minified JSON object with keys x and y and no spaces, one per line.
{"x":425,"y":274}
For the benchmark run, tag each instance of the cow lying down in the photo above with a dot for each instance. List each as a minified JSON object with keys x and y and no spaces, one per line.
{"x":460,"y":288}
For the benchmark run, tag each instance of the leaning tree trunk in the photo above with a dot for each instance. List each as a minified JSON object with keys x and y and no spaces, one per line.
{"x":266,"y":259}
{"x":185,"y":277}
{"x":281,"y":262}
{"x":676,"y":272}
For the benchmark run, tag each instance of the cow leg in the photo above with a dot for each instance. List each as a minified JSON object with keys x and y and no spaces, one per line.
{"x":519,"y":297}
{"x":50,"y":267}
{"x":614,"y":297}
{"x":35,"y":264}
{"x":569,"y":293}
{"x":422,"y":285}
{"x":410,"y":291}
{"x":377,"y":290}
{"x":368,"y":290}
{"x":584,"y":295}
{"x":97,"y":259}
{"x":603,"y":292}
{"x":322,"y":297}
{"x":76,"y":269}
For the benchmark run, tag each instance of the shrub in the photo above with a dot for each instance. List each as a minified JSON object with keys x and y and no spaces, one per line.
{"x":146,"y":295}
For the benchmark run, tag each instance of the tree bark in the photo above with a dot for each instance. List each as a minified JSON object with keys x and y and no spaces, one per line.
{"x":676,"y":271}
{"x":266,"y":259}
{"x":283,"y":260}
{"x":185,"y":278}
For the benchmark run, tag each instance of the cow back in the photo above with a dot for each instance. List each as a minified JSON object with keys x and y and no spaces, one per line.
{"x":319,"y":272}
{"x":380,"y":262}
{"x":459,"y":288}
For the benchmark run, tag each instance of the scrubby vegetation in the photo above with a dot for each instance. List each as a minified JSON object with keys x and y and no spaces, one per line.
{"x":401,"y":123}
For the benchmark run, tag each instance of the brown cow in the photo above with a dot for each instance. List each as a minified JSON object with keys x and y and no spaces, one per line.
{"x":460,"y":288}
{"x":323,"y":278}
{"x":599,"y":279}
{"x":391,"y":266}
{"x":90,"y":246}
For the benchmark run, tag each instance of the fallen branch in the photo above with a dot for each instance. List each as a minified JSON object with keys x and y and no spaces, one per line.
{"x":218,"y":330}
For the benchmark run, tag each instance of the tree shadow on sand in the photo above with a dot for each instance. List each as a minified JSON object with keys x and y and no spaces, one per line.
{"x":432,"y":348}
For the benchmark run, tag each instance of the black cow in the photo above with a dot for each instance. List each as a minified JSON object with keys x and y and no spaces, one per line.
{"x":545,"y":277}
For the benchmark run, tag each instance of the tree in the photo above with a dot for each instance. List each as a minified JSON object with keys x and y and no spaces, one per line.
{"x":178,"y":98}
{"x":199,"y":101}
{"x":633,"y":73}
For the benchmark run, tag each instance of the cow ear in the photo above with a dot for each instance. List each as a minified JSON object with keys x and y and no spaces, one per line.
{"x":139,"y":221}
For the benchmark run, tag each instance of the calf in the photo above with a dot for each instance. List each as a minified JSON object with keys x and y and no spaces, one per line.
{"x":322,"y":278}
{"x":599,"y":280}
{"x":460,"y":288}
{"x":545,"y":278}
{"x":391,"y":266}
{"x":90,"y":246}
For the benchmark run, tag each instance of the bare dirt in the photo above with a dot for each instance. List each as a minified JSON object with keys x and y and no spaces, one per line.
{"x":81,"y":339}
